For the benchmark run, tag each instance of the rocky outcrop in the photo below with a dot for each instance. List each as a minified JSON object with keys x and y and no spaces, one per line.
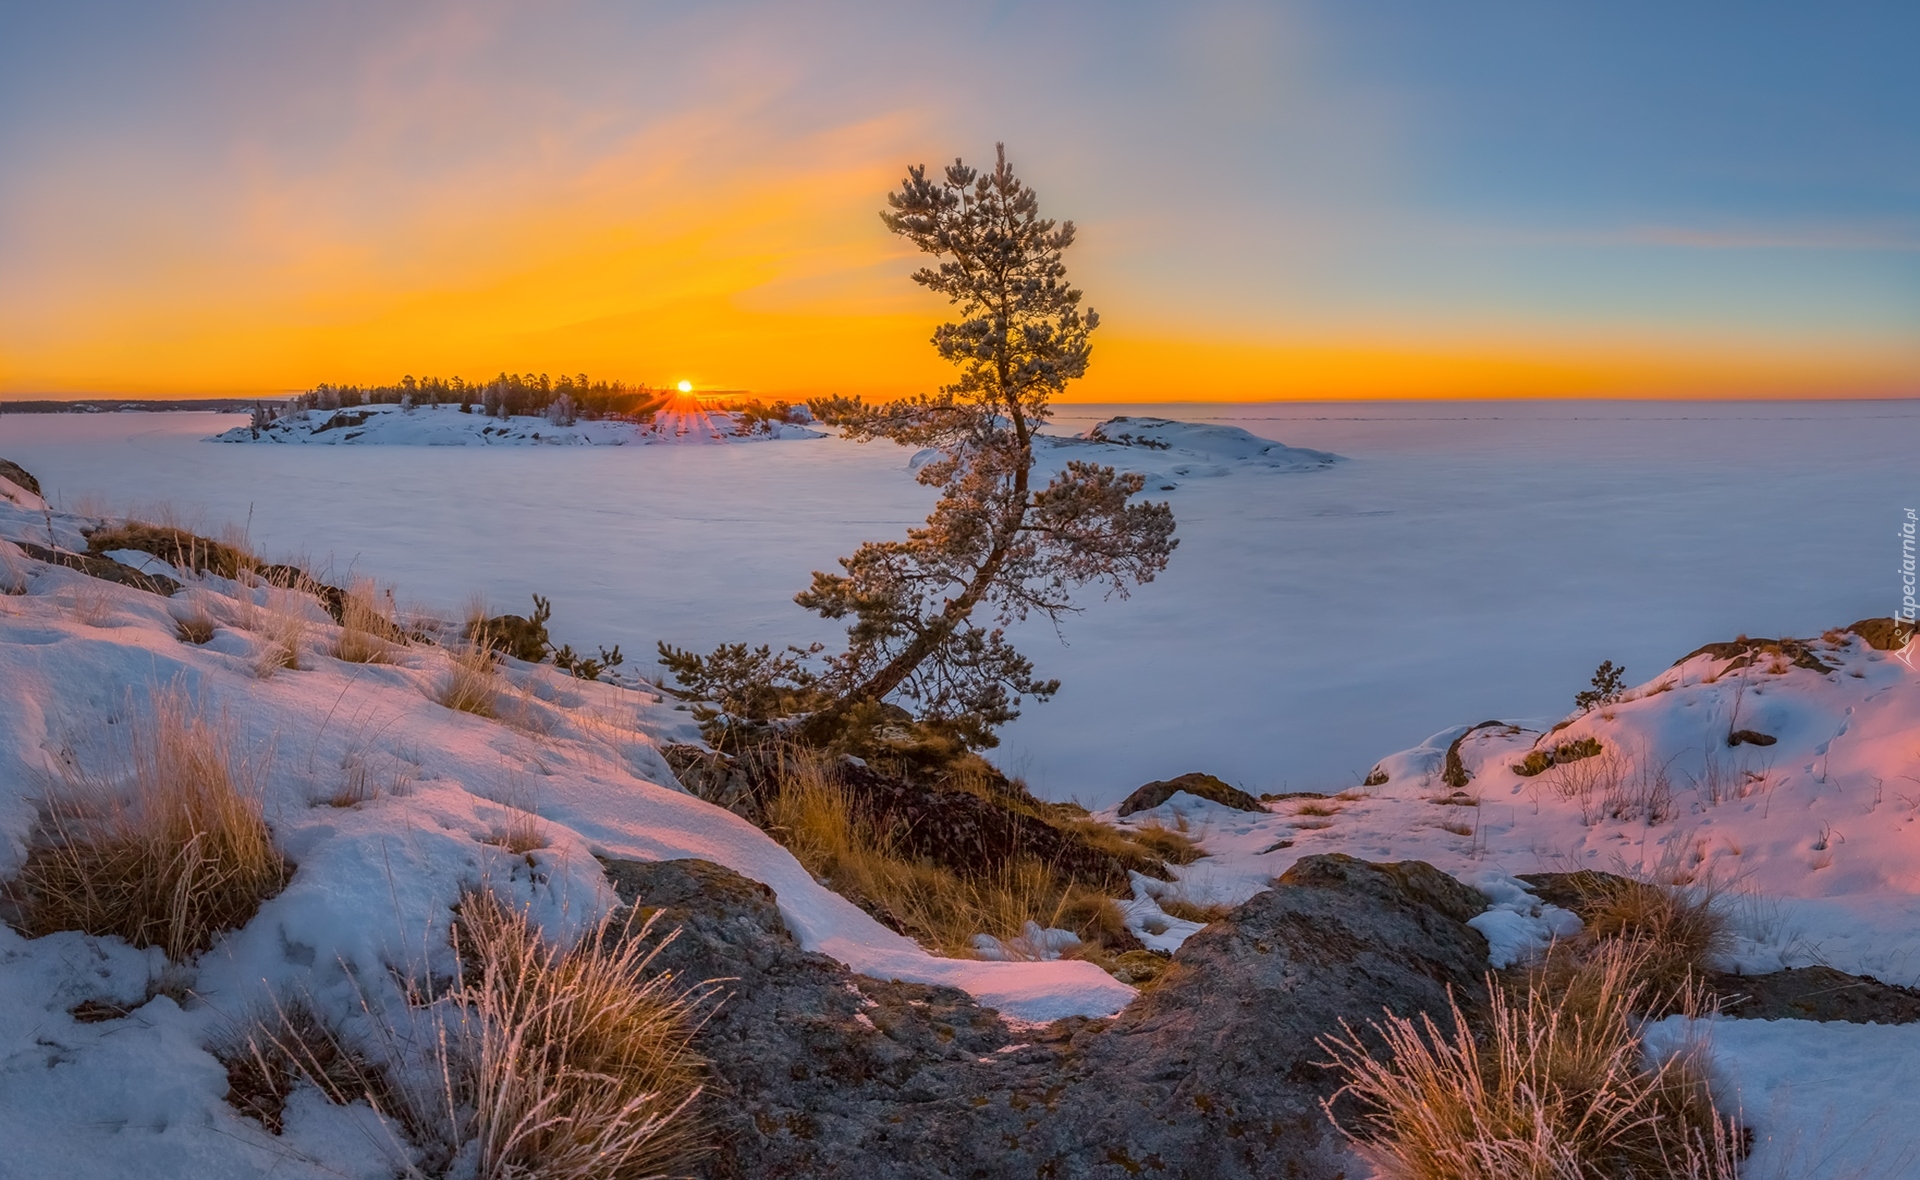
{"x":19,"y":476}
{"x":1887,"y":634}
{"x":1815,"y":993}
{"x":1204,"y":786}
{"x":106,"y":569}
{"x":1211,"y":1074}
{"x":1744,"y":652}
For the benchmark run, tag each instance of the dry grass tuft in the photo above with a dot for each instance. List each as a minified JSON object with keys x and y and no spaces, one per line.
{"x":1558,"y":1089}
{"x":192,"y":621}
{"x":1130,"y":840}
{"x":519,"y":833}
{"x":280,"y":1050}
{"x":470,"y":685}
{"x":566,"y":1064}
{"x":1317,"y":809}
{"x":1675,"y":933}
{"x":181,"y":856}
{"x":366,"y":626}
{"x":812,"y":815}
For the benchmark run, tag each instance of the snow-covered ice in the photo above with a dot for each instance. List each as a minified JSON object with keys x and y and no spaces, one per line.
{"x":1462,"y":561}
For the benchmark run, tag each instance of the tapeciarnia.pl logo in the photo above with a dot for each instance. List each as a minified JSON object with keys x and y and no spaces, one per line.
{"x":1904,"y":619}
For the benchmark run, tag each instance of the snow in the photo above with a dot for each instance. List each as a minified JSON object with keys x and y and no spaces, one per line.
{"x":445,"y":426}
{"x":374,"y":881}
{"x":1827,"y":1100}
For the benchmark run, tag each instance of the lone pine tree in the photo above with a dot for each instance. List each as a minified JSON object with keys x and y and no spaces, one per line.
{"x":996,"y":547}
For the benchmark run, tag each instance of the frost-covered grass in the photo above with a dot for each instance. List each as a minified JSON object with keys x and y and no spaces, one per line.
{"x":366,"y":626}
{"x":471,"y":681}
{"x":562,"y":1063}
{"x":166,"y":848}
{"x":1557,"y":1087}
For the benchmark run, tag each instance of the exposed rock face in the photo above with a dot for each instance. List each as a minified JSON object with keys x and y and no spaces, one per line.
{"x":106,"y":569}
{"x":1212,"y":1074}
{"x":1816,"y":993}
{"x":1888,"y":634}
{"x":19,"y":476}
{"x":1193,"y":783}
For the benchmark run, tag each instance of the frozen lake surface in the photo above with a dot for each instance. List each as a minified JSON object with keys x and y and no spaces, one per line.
{"x":1469,"y":561}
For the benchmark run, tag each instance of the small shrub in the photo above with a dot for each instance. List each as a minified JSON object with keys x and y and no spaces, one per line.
{"x":470,"y":685}
{"x":1608,"y":688}
{"x":1317,"y":809}
{"x":181,"y":856}
{"x":587,"y":667}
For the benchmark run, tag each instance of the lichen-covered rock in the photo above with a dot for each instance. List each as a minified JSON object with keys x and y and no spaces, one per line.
{"x":1212,"y":1074}
{"x":1204,"y":786}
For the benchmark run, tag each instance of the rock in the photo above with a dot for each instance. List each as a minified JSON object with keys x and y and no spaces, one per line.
{"x":104,"y":568}
{"x":974,"y":835}
{"x":19,"y":476}
{"x":1744,"y":652}
{"x":1212,"y":1074}
{"x":1888,"y":634}
{"x":1193,"y":783}
{"x":1815,"y":993}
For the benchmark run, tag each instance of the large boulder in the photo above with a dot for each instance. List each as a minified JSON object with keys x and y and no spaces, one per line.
{"x":1204,"y":786}
{"x":1212,"y":1074}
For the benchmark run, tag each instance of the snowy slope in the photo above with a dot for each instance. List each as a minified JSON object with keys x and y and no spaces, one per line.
{"x":445,"y":426}
{"x":1820,"y":828}
{"x":374,"y":881}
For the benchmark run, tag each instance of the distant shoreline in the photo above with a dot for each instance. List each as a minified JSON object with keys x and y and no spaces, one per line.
{"x":118,"y":405}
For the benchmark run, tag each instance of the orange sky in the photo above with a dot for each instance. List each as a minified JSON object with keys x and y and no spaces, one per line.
{"x":264,"y":217}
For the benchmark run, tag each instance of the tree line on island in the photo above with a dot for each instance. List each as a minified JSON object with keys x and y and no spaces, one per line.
{"x":506,"y":395}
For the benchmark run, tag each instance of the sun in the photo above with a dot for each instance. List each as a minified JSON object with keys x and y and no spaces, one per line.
{"x":686,"y":387}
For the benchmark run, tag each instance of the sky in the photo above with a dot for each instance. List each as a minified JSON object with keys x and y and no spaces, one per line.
{"x":1367,"y":198}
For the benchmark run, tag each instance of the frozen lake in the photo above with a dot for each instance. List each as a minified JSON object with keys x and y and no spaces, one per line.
{"x":1469,"y":561}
